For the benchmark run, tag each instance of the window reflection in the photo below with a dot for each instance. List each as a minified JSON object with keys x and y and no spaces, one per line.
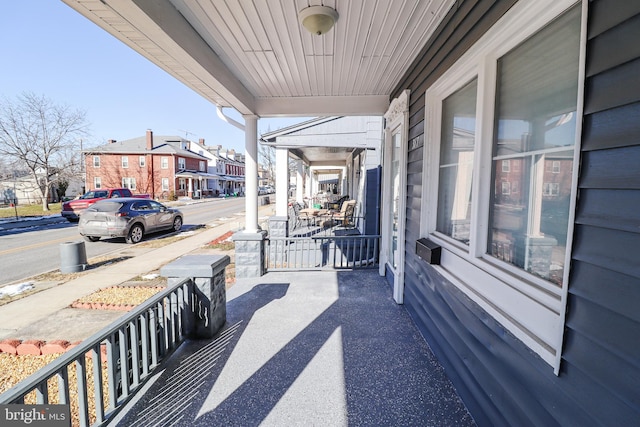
{"x":456,"y":163}
{"x":533,"y":150}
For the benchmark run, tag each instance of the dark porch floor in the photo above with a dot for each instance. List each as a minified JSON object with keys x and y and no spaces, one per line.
{"x":315,"y":348}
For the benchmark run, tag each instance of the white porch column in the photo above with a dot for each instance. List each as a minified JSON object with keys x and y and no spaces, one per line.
{"x":282,"y":181}
{"x":251,"y":173}
{"x":190,"y":188}
{"x":300,"y":182}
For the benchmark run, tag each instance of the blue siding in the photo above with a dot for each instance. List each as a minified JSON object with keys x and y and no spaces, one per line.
{"x":500,"y":380}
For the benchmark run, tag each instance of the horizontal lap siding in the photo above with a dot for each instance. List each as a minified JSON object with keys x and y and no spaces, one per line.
{"x":602,"y":344}
{"x":501,"y":381}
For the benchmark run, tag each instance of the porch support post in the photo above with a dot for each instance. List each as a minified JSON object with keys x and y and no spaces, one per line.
{"x":250,"y":243}
{"x":300,"y":182}
{"x":251,"y":173}
{"x":282,"y":181}
{"x":208,"y":315}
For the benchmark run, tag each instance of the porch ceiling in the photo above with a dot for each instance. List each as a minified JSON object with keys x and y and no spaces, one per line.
{"x":254,"y":56}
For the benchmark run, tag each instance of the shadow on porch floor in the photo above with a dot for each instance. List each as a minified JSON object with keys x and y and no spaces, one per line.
{"x":315,"y":348}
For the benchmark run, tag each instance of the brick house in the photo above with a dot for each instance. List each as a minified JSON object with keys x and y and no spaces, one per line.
{"x":162,"y":166}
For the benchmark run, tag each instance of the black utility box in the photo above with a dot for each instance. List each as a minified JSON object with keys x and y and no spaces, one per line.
{"x":428,"y":251}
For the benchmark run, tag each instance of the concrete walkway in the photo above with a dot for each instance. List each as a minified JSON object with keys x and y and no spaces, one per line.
{"x":35,"y":316}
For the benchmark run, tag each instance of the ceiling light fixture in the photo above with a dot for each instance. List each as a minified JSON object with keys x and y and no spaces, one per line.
{"x":318,"y":19}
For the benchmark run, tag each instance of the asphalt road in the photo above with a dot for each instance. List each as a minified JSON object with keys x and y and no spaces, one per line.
{"x":33,"y":247}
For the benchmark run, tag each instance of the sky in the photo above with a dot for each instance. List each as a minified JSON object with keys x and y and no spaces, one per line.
{"x":49,"y":49}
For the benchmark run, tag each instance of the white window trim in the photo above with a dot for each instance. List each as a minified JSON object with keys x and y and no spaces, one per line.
{"x":142,"y":161}
{"x":530,"y":308}
{"x":97,"y":182}
{"x":94,"y":161}
{"x":397,"y":117}
{"x":164,"y":163}
{"x":165,"y":180}
{"x":123,"y":160}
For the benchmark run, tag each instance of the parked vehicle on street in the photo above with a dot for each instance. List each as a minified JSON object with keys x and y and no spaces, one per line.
{"x":129,"y":217}
{"x":72,"y":209}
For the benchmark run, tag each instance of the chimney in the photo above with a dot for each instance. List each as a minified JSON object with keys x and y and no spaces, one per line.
{"x":149,"y":139}
{"x":111,"y":141}
{"x":201,"y":141}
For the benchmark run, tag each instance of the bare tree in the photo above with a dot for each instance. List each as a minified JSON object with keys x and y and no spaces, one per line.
{"x":267,"y":158}
{"x":43,"y":136}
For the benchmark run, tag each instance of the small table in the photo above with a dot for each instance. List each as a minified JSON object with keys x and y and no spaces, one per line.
{"x":309,"y":215}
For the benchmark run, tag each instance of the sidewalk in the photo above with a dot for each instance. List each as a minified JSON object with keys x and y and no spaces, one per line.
{"x":47,"y":312}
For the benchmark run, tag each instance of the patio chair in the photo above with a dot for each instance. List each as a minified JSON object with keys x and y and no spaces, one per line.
{"x":337,"y":205}
{"x":344,"y":216}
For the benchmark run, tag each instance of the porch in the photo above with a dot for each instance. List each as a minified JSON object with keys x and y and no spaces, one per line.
{"x":317,"y":348}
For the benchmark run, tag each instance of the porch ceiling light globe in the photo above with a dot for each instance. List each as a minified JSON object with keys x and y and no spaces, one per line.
{"x":318,"y":19}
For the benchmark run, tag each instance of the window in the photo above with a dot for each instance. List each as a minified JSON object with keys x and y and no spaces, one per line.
{"x":456,"y":163}
{"x":141,"y":161}
{"x":551,"y":189}
{"x":202,"y":166}
{"x":501,"y":134}
{"x":97,"y":182}
{"x":165,"y":184}
{"x":535,"y":120}
{"x":182,"y":164}
{"x":96,"y":161}
{"x":125,"y":161}
{"x":182,"y":184}
{"x":164,"y":163}
{"x":129,"y":183}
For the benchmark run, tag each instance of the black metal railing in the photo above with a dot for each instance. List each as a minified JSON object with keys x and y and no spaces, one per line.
{"x":113,"y":363}
{"x":322,"y":252}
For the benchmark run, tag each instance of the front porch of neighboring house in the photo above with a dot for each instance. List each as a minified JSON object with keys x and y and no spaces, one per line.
{"x":296,"y":349}
{"x":332,"y":220}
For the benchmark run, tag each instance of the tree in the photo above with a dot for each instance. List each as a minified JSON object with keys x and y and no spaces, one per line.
{"x":267,"y":158}
{"x":43,"y":137}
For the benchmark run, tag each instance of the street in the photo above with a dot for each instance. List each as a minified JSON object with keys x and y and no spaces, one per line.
{"x":33,"y":250}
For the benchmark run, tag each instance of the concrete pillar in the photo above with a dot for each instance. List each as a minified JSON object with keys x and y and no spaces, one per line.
{"x":209,"y":313}
{"x":250,"y":253}
{"x":282,"y":181}
{"x":251,"y":173}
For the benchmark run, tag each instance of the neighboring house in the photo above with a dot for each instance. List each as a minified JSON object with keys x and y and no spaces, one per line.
{"x":23,"y":190}
{"x":512,"y":144}
{"x":234,"y":176}
{"x":162,"y":166}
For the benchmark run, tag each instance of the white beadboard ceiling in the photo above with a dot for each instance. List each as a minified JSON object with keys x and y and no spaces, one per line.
{"x":254,"y":56}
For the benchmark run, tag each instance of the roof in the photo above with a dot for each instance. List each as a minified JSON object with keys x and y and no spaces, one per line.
{"x":169,"y":145}
{"x":255,"y":57}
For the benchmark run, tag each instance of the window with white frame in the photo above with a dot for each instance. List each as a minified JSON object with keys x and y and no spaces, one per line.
{"x":182,"y":184}
{"x":165,"y":184}
{"x":142,"y":161}
{"x":125,"y":161}
{"x":182,"y":164}
{"x":129,"y":183}
{"x":96,"y":161}
{"x":202,"y":166}
{"x":501,"y":139}
{"x":97,"y":182}
{"x":164,"y":163}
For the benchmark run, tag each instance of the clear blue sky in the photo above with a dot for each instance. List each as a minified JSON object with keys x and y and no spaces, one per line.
{"x":49,"y":49}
